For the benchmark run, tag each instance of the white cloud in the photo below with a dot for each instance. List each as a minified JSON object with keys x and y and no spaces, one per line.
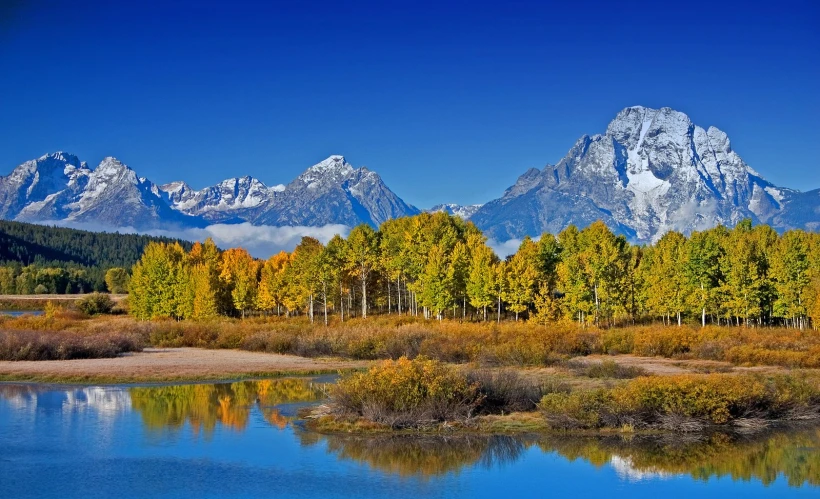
{"x":261,"y":241}
{"x":506,"y":248}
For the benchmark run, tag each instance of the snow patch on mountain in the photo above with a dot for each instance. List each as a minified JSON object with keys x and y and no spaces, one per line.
{"x":463,"y":211}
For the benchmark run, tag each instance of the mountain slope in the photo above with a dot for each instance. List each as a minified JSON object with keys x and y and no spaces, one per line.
{"x":332,"y":191}
{"x":27,"y":244}
{"x":41,"y":188}
{"x":651,"y":171}
{"x":116,"y":197}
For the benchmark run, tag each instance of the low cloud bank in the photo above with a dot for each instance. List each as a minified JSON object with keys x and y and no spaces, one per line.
{"x":506,"y":248}
{"x":261,"y":241}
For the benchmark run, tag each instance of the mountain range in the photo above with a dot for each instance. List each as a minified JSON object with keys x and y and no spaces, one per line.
{"x":59,"y":188}
{"x":651,"y":171}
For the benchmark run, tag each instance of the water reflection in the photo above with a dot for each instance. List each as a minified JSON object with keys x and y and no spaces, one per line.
{"x":203,"y":406}
{"x":423,"y":456}
{"x":794,"y":455}
{"x":60,"y":414}
{"x":110,"y":400}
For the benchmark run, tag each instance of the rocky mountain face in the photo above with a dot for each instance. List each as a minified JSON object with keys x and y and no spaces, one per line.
{"x":42,"y":188}
{"x":57,"y":187}
{"x":652,"y":171}
{"x":334,"y":192}
{"x":458,"y":210}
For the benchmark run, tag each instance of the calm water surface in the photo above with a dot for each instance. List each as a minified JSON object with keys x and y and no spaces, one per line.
{"x":243,"y":440}
{"x":18,"y":313}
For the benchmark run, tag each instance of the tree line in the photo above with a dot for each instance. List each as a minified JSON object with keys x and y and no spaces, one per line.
{"x":437,"y":266}
{"x":38,"y":259}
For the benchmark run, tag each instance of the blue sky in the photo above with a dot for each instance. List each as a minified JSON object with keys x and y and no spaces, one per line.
{"x":448,"y":101}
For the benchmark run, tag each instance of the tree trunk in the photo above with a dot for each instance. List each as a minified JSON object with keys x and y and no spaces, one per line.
{"x":498,"y":319}
{"x":310,"y":304}
{"x":364,"y":298}
{"x":389,"y":305}
{"x":398,"y":294}
{"x":596,"y":303}
{"x":324,"y":293}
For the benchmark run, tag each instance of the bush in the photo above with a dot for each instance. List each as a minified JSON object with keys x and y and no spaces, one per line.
{"x":686,"y":402}
{"x":95,"y":304}
{"x":39,"y":345}
{"x":505,"y":391}
{"x":584,"y":409}
{"x":605,"y":369}
{"x":407,"y":393}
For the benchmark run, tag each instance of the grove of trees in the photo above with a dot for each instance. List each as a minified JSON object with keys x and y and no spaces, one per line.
{"x":437,"y":266}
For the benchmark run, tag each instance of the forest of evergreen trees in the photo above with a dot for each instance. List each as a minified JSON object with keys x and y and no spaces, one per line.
{"x":43,"y":259}
{"x":436,"y":266}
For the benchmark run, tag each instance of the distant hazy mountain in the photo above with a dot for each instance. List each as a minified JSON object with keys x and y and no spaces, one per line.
{"x":651,"y":171}
{"x":57,"y":187}
{"x":463,"y":211}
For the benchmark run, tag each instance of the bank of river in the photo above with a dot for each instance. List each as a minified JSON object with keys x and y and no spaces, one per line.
{"x":245,"y":439}
{"x":171,"y":364}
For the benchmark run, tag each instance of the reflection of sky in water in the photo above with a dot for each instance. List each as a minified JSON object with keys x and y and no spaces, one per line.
{"x":238,"y":440}
{"x":626,"y":470}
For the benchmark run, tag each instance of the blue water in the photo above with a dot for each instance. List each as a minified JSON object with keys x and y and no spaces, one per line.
{"x":18,"y":313}
{"x":245,"y":440}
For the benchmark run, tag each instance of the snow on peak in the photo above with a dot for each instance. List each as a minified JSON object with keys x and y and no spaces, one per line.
{"x":175,"y":187}
{"x":463,"y":211}
{"x":110,"y":166}
{"x":334,"y":168}
{"x":62,"y":157}
{"x":332,"y":164}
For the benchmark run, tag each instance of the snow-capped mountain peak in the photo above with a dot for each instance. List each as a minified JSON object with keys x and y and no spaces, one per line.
{"x":653,"y":170}
{"x":331,"y":169}
{"x":458,"y":210}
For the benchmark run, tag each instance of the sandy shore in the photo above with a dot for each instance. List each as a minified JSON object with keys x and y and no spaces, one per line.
{"x":158,"y":364}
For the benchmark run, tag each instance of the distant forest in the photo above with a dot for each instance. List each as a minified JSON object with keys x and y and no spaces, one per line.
{"x":44,"y":259}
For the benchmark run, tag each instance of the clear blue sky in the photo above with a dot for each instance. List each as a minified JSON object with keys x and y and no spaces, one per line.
{"x":448,"y":101}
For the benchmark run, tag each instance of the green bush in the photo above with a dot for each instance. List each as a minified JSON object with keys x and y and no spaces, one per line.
{"x":95,"y":304}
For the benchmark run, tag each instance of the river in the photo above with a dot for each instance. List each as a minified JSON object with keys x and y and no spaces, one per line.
{"x":245,"y":439}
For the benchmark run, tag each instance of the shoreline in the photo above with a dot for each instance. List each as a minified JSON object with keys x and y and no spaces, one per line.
{"x":172,"y":365}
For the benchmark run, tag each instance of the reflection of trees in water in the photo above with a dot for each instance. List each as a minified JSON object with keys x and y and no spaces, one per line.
{"x":203,"y":406}
{"x":426,"y":456}
{"x":793,"y":455}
